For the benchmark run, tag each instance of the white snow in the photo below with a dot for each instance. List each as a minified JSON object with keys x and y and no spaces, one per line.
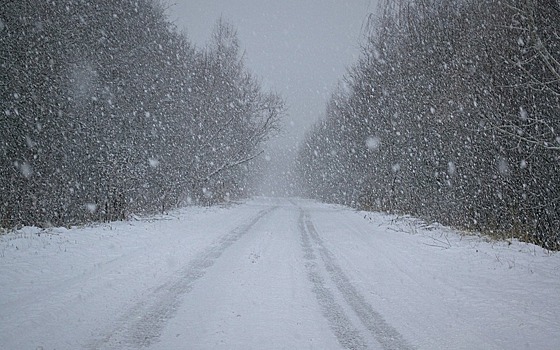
{"x":373,"y":143}
{"x":26,"y":169}
{"x":503,"y":166}
{"x":91,"y":207}
{"x":154,"y":163}
{"x":274,"y":274}
{"x":523,"y":114}
{"x":451,"y":168}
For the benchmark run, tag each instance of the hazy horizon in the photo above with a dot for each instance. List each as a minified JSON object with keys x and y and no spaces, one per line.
{"x":297,"y":49}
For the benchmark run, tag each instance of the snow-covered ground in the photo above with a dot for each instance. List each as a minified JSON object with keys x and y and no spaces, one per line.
{"x":274,"y":274}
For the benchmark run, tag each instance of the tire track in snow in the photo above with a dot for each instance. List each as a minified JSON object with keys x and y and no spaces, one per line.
{"x":384,"y":333}
{"x":348,"y":336}
{"x":142,"y":325}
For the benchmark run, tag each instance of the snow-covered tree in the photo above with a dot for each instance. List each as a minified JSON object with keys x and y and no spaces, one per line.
{"x":451,"y":114}
{"x":105,"y":109}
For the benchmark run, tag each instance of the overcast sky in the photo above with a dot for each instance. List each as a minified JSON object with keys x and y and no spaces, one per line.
{"x":298,"y":48}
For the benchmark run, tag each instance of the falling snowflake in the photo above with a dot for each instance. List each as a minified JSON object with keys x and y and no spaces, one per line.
{"x":373,"y":143}
{"x":451,"y":168}
{"x":91,"y":207}
{"x":207,"y":193}
{"x":523,"y":113}
{"x":154,"y":163}
{"x":503,"y":166}
{"x":29,"y":142}
{"x":26,"y":169}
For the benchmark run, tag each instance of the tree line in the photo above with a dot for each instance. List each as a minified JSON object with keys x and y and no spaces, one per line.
{"x":106,"y":109}
{"x":452,"y":113}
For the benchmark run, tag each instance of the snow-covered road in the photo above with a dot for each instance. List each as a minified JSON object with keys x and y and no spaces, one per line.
{"x":274,"y":274}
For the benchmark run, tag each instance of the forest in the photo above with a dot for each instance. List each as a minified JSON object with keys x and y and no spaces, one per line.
{"x":107,"y":110}
{"x":452,"y":115}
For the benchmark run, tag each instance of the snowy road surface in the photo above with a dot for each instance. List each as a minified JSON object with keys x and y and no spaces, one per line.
{"x":274,"y":274}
